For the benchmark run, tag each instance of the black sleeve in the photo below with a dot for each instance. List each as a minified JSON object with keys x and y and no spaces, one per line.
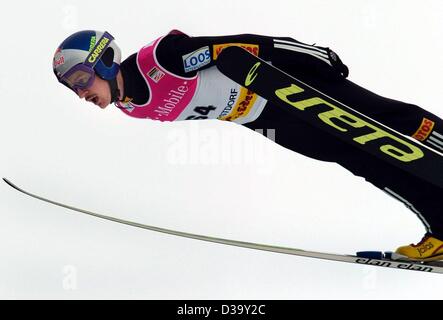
{"x":281,"y":51}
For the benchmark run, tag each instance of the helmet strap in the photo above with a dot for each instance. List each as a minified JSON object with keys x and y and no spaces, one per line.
{"x":115,"y":92}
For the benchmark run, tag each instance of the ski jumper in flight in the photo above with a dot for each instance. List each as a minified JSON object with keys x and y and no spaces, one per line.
{"x":175,"y":78}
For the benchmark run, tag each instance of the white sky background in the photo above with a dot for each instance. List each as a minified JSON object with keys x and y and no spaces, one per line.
{"x":205,"y":177}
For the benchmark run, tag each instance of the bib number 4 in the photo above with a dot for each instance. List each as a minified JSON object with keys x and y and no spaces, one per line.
{"x":202,"y":113}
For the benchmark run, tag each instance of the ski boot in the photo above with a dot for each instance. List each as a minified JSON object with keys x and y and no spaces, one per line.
{"x":428,"y":249}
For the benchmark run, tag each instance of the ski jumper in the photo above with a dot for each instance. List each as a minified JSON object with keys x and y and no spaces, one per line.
{"x":175,"y":78}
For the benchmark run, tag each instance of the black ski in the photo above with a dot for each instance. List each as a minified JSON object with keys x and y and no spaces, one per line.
{"x":326,"y":113}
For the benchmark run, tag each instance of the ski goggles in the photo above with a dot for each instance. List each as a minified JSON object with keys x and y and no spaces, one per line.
{"x":81,"y":76}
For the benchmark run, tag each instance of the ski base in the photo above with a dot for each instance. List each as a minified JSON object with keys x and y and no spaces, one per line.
{"x":321,"y":111}
{"x":371,"y":260}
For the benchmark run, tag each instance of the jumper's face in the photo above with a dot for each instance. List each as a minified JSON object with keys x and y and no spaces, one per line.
{"x":98,"y":93}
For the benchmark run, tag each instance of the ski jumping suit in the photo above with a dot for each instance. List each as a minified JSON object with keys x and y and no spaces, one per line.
{"x":175,"y":78}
